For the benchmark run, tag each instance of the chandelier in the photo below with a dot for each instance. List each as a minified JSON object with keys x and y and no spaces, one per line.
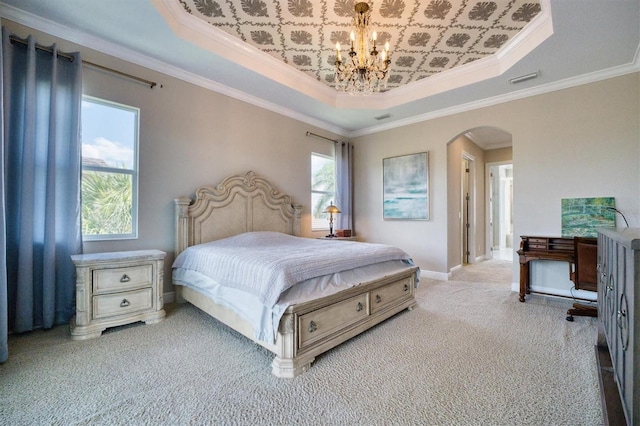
{"x":365,"y":70}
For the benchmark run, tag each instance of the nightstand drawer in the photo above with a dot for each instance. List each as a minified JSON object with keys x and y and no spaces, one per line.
{"x":126,"y":302}
{"x":122,"y":278}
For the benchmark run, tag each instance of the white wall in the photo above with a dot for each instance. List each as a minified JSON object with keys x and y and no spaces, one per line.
{"x":190,"y":136}
{"x":425,"y":241}
{"x":586,"y":145}
{"x":578,"y":142}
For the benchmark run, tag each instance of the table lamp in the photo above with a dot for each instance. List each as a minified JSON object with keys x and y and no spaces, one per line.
{"x":331,"y":209}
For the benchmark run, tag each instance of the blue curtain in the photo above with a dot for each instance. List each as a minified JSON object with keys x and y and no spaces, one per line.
{"x":344,"y":185}
{"x":42,"y":94}
{"x":4,"y":320}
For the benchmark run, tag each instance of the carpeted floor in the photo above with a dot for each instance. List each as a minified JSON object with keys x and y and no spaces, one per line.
{"x":470,"y":354}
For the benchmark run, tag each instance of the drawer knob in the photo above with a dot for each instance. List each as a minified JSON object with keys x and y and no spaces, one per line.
{"x":312,"y":326}
{"x":359,"y":307}
{"x":378,"y":298}
{"x":406,"y":287}
{"x":124,"y":303}
{"x":125,"y":279}
{"x":621,"y":320}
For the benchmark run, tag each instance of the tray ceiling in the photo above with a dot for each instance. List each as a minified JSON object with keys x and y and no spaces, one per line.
{"x":586,"y":41}
{"x":426,"y":37}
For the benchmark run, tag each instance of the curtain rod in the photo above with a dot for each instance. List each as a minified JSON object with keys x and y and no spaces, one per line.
{"x":149,"y":83}
{"x":322,"y":137}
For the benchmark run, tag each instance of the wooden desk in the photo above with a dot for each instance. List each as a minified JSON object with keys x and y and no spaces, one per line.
{"x":542,"y":248}
{"x":579,"y":251}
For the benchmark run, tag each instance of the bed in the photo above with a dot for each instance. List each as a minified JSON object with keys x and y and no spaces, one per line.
{"x":309,"y":314}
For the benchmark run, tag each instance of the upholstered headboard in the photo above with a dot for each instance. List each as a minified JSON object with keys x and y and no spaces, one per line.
{"x":240,"y":203}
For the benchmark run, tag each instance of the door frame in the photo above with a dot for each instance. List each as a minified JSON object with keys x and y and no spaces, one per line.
{"x":471,"y":214}
{"x":489,"y":205}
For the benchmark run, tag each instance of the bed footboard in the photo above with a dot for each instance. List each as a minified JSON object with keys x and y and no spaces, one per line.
{"x":311,"y":328}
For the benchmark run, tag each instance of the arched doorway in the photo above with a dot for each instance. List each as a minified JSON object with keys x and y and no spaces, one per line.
{"x":470,"y":205}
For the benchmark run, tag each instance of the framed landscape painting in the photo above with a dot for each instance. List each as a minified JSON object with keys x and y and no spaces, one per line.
{"x":582,"y":216}
{"x":406,"y":187}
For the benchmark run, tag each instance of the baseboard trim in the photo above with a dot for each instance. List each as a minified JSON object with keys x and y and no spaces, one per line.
{"x":433,"y":275}
{"x":590,"y":296}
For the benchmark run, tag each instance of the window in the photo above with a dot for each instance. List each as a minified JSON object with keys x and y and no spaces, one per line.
{"x":109,"y":170}
{"x":323,"y":178}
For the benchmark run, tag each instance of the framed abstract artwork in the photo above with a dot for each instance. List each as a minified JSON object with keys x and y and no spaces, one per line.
{"x":405,"y":187}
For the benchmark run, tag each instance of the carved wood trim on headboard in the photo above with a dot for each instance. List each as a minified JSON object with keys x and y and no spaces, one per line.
{"x":240,"y":203}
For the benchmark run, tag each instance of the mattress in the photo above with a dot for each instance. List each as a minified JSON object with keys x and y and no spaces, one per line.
{"x":265,"y":264}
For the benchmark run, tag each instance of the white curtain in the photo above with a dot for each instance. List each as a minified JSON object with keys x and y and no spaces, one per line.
{"x":344,"y":185}
{"x":41,"y":99}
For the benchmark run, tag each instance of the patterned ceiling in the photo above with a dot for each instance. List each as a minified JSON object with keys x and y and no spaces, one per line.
{"x":425,"y":37}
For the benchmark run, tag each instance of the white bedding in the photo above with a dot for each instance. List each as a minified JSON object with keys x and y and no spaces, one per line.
{"x":317,"y":268}
{"x":265,"y":264}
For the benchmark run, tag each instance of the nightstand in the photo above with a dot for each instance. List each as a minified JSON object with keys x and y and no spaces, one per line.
{"x":339,"y":238}
{"x":117,"y":288}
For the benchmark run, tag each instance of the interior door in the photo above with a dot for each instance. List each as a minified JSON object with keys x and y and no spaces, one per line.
{"x":465,"y":211}
{"x":500,"y":211}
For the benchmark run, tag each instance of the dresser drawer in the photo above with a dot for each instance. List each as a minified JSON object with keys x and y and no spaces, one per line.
{"x":126,"y":302}
{"x":322,"y":322}
{"x":116,"y":279}
{"x":533,"y":246}
{"x":534,"y":240}
{"x":391,"y":294}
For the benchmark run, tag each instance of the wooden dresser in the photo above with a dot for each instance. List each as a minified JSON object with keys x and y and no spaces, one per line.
{"x":117,"y":288}
{"x":619,"y":311}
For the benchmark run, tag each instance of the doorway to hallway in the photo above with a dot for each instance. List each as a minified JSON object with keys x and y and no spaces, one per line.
{"x":500,"y":211}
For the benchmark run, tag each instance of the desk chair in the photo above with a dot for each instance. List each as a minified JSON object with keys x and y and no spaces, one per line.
{"x":585,"y":275}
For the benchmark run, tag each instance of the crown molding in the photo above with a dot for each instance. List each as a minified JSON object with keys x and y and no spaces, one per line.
{"x":533,"y":35}
{"x":212,"y":39}
{"x":377,"y":99}
{"x":197,"y":31}
{"x":108,"y":48}
{"x":512,"y":96}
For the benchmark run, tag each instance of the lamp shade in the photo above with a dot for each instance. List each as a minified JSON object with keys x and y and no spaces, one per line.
{"x":332,"y":209}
